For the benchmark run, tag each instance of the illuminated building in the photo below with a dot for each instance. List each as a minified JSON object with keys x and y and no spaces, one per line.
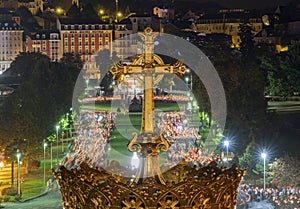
{"x":228,"y":22}
{"x":45,"y":42}
{"x":124,"y":44}
{"x":11,"y":43}
{"x":84,"y":37}
{"x":32,"y":5}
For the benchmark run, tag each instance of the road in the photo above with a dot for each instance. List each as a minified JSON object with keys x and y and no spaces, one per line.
{"x":50,"y":200}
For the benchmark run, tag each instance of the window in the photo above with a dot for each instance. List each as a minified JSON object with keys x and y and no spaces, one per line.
{"x":80,"y":27}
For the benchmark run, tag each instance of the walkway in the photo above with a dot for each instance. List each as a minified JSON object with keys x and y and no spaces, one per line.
{"x":51,"y":200}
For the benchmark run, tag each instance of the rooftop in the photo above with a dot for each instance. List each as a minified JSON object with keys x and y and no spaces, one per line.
{"x":80,"y":21}
{"x":9,"y":25}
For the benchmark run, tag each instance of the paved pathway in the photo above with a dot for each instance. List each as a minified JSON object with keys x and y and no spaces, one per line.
{"x":51,"y":200}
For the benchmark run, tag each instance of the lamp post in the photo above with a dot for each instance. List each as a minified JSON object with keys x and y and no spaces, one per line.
{"x":226,"y":143}
{"x":191,"y":77}
{"x":45,"y":145}
{"x":264,"y":156}
{"x":187,"y":81}
{"x":19,"y":184}
{"x":51,"y":154}
{"x":57,"y":127}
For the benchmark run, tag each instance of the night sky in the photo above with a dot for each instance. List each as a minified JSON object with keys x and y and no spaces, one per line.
{"x":248,"y":4}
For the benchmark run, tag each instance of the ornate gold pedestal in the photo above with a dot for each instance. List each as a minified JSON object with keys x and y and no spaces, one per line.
{"x":186,"y":188}
{"x":181,"y":187}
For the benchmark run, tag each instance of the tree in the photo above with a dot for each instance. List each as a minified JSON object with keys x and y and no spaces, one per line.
{"x":89,"y":12}
{"x":105,"y":62}
{"x":283,"y":76}
{"x":246,"y":35}
{"x":248,"y":160}
{"x":74,"y":12}
{"x":167,"y":82}
{"x":285,"y":171}
{"x":44,"y":94}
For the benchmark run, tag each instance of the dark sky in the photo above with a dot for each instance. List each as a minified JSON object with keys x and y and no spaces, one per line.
{"x":250,"y":4}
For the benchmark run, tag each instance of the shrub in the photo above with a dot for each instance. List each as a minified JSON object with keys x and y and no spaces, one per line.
{"x":34,"y":164}
{"x":9,"y":191}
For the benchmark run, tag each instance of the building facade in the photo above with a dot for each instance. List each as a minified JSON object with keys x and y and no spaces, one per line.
{"x":84,"y":37}
{"x":45,"y":42}
{"x":10,"y":43}
{"x":166,"y":14}
{"x":140,"y":22}
{"x":11,"y":4}
{"x":228,"y":22}
{"x":32,"y":5}
{"x":125,"y":43}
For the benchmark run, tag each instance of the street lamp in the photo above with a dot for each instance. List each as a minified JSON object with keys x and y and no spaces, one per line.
{"x":191,"y":77}
{"x":19,"y":184}
{"x":51,"y":155}
{"x":187,"y":81}
{"x":45,"y":145}
{"x":264,"y":156}
{"x":57,"y":127}
{"x":226,"y":144}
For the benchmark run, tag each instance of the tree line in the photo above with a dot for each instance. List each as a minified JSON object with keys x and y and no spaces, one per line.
{"x":44,"y":94}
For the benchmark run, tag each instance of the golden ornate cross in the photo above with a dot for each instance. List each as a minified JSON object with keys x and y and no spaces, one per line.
{"x":152,"y":68}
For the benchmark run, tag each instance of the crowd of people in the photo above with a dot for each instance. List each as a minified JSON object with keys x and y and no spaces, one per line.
{"x":174,"y":127}
{"x":93,"y":134}
{"x":201,"y":156}
{"x":167,"y":98}
{"x":285,"y":198}
{"x":288,"y":198}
